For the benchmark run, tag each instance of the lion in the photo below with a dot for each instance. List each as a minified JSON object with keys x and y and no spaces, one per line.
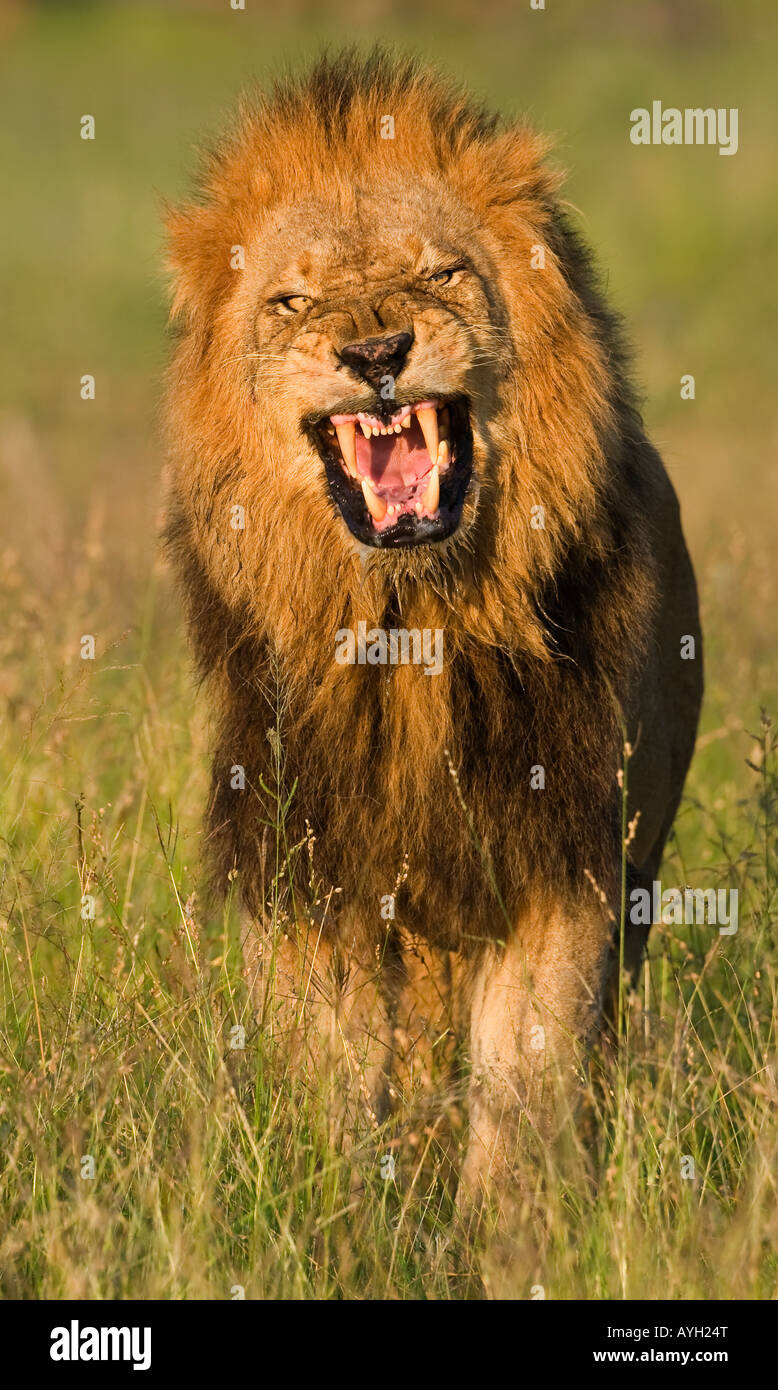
{"x":401,"y":413}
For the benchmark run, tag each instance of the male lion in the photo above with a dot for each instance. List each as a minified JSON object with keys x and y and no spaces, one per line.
{"x":398,"y":400}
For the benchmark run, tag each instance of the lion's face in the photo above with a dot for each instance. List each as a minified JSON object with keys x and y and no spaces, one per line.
{"x":402,"y":375}
{"x":374,"y":338}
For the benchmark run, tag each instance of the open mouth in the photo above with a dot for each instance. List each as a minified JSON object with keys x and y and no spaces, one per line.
{"x":401,"y":480}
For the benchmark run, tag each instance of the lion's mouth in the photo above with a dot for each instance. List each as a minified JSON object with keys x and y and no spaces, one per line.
{"x":400,"y":480}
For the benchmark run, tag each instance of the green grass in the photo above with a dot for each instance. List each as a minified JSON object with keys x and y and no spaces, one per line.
{"x":217,"y":1167}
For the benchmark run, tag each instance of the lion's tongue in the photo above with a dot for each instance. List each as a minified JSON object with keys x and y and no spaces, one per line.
{"x":394,"y":463}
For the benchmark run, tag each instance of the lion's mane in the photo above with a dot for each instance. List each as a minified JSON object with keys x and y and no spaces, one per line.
{"x":544,"y":628}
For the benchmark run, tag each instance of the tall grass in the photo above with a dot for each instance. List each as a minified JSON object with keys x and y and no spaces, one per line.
{"x":217,"y":1167}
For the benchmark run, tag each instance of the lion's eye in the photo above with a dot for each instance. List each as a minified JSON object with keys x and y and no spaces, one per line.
{"x":446,"y":277}
{"x":292,"y":303}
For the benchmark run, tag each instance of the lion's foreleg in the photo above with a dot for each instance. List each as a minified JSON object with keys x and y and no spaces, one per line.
{"x":535,"y":1005}
{"x":322,"y":1019}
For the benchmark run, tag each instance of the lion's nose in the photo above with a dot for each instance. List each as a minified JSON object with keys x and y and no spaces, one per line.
{"x":377,"y":357}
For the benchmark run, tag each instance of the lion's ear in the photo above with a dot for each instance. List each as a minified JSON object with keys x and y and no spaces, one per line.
{"x":198,"y":261}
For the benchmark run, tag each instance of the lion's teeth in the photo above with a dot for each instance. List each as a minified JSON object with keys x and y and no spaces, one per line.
{"x":406,"y":423}
{"x":431,"y":497}
{"x":376,"y":430}
{"x":375,"y":504}
{"x":366,"y":430}
{"x":397,"y":429}
{"x":348,"y":446}
{"x":428,"y":419}
{"x":444,"y":455}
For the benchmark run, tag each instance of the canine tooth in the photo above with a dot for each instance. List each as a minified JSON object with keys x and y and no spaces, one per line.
{"x":444,"y":455}
{"x":366,"y":430}
{"x":406,"y":423}
{"x":375,"y":504}
{"x":348,"y":446}
{"x":428,"y":419}
{"x":431,"y":497}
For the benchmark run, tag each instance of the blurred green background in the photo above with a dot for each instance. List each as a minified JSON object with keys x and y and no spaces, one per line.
{"x":688,"y":238}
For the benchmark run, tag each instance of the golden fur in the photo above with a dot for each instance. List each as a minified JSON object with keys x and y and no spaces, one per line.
{"x":411,"y":785}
